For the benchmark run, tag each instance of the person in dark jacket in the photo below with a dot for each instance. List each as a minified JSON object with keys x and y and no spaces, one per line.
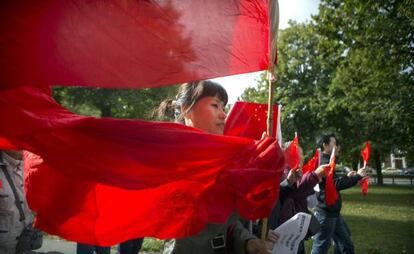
{"x":294,"y":189}
{"x":333,"y":225}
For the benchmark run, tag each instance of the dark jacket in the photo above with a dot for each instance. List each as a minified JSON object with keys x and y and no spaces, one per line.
{"x":341,"y":183}
{"x":292,"y":199}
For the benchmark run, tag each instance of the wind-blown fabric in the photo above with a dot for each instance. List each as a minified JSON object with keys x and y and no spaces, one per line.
{"x":103,"y":181}
{"x":312,"y":164}
{"x":133,"y":43}
{"x":365,"y":153}
{"x":292,"y":154}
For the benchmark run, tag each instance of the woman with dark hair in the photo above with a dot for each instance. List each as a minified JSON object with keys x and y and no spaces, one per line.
{"x":201,"y":105}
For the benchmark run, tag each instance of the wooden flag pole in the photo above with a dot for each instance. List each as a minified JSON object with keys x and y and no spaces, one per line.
{"x":271,"y":79}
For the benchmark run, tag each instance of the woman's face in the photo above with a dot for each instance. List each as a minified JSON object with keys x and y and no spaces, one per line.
{"x":208,"y":115}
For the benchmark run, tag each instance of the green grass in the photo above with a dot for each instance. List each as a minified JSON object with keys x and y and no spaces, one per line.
{"x":382,"y":222}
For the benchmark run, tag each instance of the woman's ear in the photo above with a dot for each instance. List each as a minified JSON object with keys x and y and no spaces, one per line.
{"x":187,"y":115}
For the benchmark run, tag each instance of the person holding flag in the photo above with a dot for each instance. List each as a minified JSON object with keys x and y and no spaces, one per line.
{"x":201,"y":105}
{"x":295,"y":188}
{"x":328,"y":210}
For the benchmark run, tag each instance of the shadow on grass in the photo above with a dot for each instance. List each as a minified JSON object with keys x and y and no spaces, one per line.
{"x":377,"y":236}
{"x":373,"y":235}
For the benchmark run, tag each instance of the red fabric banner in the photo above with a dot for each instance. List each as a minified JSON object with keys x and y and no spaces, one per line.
{"x":131,"y":43}
{"x":292,"y":154}
{"x":365,"y":153}
{"x":103,"y":181}
{"x":248,"y":119}
{"x":312,"y":164}
{"x":331,"y":194}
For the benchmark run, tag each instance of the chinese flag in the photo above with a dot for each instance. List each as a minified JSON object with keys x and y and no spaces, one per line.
{"x":312,"y":164}
{"x":365,"y":153}
{"x":292,"y":154}
{"x":248,"y":119}
{"x":131,"y":44}
{"x":96,"y":180}
{"x":331,"y":195}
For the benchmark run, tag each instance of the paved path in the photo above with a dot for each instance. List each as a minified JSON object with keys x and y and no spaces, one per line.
{"x":58,"y":246}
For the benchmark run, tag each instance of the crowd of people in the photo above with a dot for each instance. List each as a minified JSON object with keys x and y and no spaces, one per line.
{"x":202,"y":105}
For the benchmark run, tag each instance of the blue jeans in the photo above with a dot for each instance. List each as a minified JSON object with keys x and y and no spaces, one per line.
{"x":90,"y":249}
{"x":130,"y":247}
{"x":332,"y":228}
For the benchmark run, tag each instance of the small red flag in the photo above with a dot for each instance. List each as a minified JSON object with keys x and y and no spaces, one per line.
{"x":331,"y":196}
{"x":365,"y":153}
{"x":292,"y":154}
{"x":312,"y":164}
{"x":248,"y":119}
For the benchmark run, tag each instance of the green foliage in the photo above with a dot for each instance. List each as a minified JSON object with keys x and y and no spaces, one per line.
{"x":152,"y":245}
{"x":350,"y":71}
{"x":120,"y":103}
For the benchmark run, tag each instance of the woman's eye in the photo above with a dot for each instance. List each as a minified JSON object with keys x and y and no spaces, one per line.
{"x":214,"y":105}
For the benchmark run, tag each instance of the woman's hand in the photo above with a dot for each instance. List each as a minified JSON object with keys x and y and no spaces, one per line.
{"x":321,"y":171}
{"x":293,"y":176}
{"x":258,"y":246}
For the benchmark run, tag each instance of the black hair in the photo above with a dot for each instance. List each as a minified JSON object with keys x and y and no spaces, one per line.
{"x":188,"y":95}
{"x":326,"y":139}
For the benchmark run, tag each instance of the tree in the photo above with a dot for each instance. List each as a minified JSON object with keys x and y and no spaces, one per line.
{"x":371,"y":92}
{"x":350,"y":70}
{"x":299,"y":79}
{"x":121,"y":103}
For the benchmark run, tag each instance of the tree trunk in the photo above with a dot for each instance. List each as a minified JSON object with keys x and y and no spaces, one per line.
{"x":106,"y":111}
{"x":377,"y":161}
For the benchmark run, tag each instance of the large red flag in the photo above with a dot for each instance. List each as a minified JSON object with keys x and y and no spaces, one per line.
{"x":103,"y":181}
{"x":331,"y":195}
{"x":312,"y":164}
{"x":365,"y":153}
{"x":133,"y":43}
{"x":102,"y":164}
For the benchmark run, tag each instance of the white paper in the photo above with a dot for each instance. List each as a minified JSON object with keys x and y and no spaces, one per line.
{"x":291,"y":233}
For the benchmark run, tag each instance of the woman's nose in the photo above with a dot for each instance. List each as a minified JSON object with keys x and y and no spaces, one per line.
{"x":223,"y":114}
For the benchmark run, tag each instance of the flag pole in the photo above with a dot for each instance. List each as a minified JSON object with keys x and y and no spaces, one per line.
{"x":271,"y":81}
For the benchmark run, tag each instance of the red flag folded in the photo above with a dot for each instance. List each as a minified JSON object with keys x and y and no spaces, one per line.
{"x":104,"y":181}
{"x":248,"y":119}
{"x":292,"y":154}
{"x":331,"y":195}
{"x":312,"y":164}
{"x":131,"y":43}
{"x":365,"y":153}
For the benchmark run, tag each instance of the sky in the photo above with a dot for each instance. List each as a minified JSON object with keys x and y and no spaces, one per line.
{"x":298,"y":10}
